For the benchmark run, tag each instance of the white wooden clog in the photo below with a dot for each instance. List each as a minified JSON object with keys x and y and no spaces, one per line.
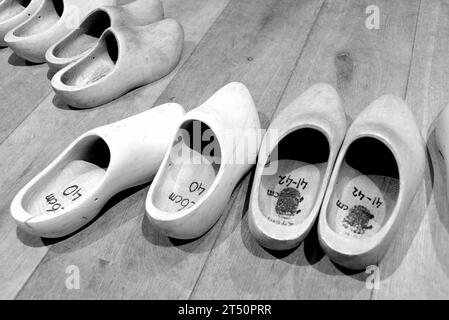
{"x":125,"y":58}
{"x":102,"y":162}
{"x":295,"y":162}
{"x":81,"y":40}
{"x":376,"y":176}
{"x":52,"y":20}
{"x":13,"y":13}
{"x":215,"y":146}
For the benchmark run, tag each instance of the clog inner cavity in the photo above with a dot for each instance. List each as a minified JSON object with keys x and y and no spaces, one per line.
{"x":42,"y":20}
{"x":96,"y":65}
{"x":293,"y":176}
{"x":11,"y":9}
{"x":366,"y":190}
{"x":85,"y":37}
{"x":72,"y":180}
{"x":191,"y":169}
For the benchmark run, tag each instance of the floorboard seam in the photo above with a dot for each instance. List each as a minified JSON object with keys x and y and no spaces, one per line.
{"x":206,"y":260}
{"x":23,"y":120}
{"x":31,"y":274}
{"x":413,"y":51}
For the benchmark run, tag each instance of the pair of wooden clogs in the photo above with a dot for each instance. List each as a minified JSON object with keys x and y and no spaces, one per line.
{"x":198,"y":156}
{"x":361,"y":180}
{"x":98,"y":49}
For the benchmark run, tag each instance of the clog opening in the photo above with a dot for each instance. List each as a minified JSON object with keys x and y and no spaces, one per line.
{"x":366,"y":189}
{"x":70,"y":181}
{"x":293,"y":176}
{"x":85,"y":37}
{"x":96,"y":65}
{"x":42,"y":20}
{"x":11,"y":9}
{"x":192,"y":167}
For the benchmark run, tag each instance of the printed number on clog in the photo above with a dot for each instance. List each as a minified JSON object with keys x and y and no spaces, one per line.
{"x":72,"y":192}
{"x":72,"y":184}
{"x":195,"y":190}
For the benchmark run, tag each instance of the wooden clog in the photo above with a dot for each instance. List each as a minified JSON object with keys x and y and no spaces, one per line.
{"x":52,"y":20}
{"x":102,"y":162}
{"x":13,"y":13}
{"x":217,"y":143}
{"x":81,"y":40}
{"x":125,"y":58}
{"x":376,"y":176}
{"x":295,"y":162}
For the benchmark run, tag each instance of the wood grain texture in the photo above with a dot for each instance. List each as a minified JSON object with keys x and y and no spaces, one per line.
{"x":278,"y":48}
{"x":52,"y":126}
{"x":362,"y":64}
{"x":19,"y":91}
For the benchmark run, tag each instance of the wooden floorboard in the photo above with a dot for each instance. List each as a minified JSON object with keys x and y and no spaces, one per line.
{"x":418,"y":263}
{"x":19,"y":90}
{"x":50,"y":128}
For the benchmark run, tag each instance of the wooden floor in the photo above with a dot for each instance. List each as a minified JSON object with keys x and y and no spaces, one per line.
{"x":277,"y":48}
